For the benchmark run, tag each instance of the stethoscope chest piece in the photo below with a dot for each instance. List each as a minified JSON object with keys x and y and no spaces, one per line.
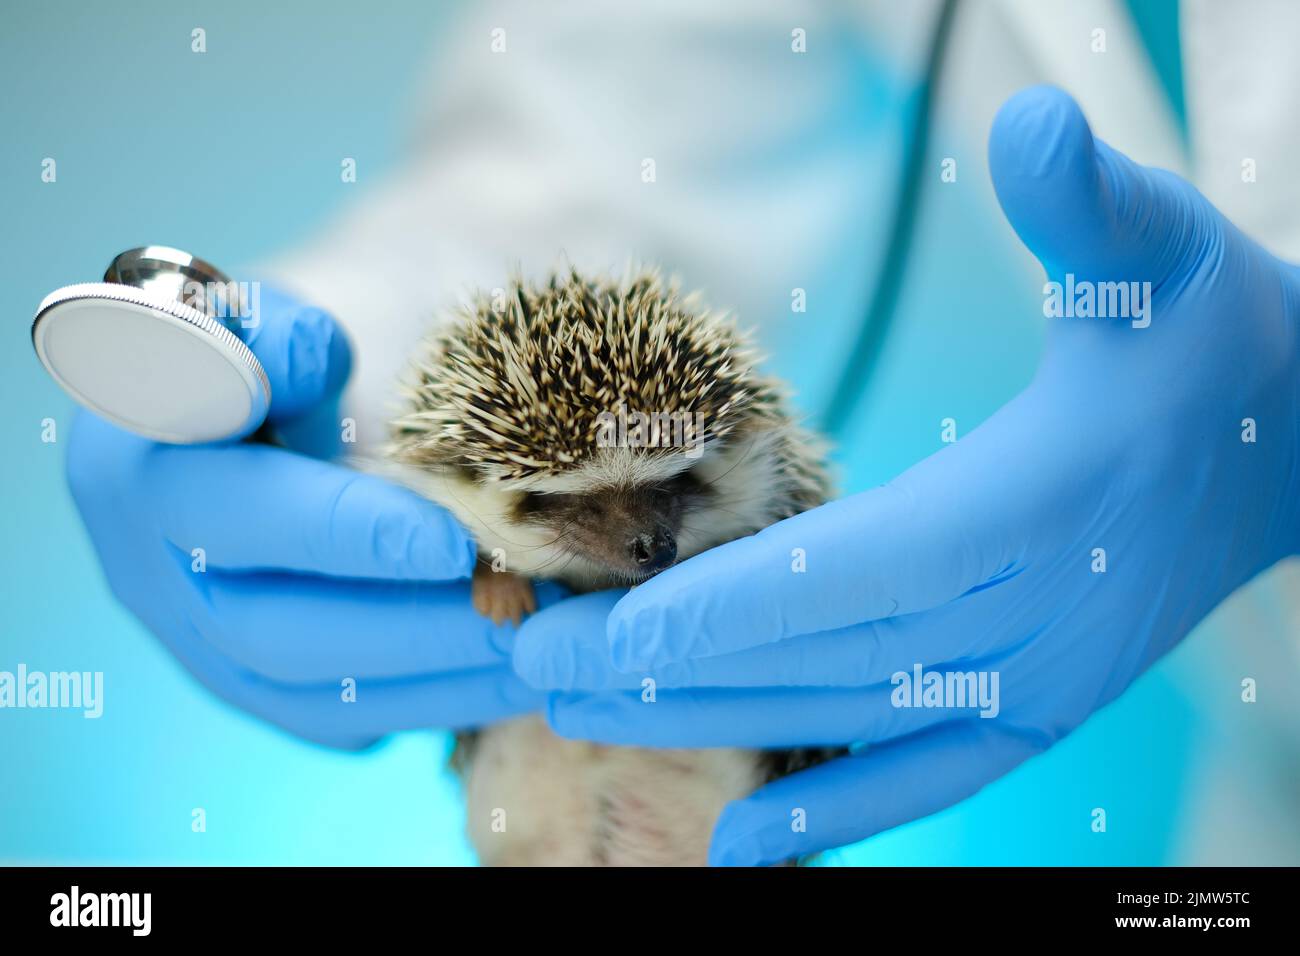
{"x":153,"y":348}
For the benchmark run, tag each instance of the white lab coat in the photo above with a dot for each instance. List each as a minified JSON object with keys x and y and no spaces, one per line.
{"x":521,"y":156}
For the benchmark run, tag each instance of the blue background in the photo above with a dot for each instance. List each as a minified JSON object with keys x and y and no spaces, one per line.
{"x":234,"y":154}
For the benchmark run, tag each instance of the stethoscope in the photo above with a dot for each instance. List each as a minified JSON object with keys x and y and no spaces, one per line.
{"x":883,"y":305}
{"x":156,"y":347}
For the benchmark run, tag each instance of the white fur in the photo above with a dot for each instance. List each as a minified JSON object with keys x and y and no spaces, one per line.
{"x":534,"y":799}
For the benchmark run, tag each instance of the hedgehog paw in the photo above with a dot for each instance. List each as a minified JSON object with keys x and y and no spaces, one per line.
{"x":502,"y":596}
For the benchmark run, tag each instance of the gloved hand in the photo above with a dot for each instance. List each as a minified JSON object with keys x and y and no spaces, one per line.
{"x":314,"y":572}
{"x":1131,"y":446}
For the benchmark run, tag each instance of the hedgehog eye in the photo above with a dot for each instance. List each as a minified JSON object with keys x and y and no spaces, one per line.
{"x":541,"y":503}
{"x":684,"y":483}
{"x":531,"y":503}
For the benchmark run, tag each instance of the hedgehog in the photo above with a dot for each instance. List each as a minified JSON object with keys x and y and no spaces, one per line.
{"x":596,"y":431}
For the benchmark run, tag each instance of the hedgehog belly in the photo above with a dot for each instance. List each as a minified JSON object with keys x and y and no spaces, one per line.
{"x":535,"y":799}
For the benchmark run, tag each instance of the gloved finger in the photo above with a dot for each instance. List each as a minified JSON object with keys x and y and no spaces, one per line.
{"x":455,"y":701}
{"x":266,"y":508}
{"x":1083,"y":207}
{"x":726,"y":717}
{"x":565,"y":648}
{"x":354,"y":716}
{"x":302,"y":630}
{"x":855,"y":797}
{"x":303,"y":350}
{"x":942,"y":528}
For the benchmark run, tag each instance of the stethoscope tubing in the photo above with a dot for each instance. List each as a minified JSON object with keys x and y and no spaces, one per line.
{"x":880,"y":313}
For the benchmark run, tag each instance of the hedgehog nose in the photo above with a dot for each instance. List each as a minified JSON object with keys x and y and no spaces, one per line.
{"x":653,"y":551}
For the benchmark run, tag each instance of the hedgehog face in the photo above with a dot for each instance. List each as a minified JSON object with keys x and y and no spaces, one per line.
{"x":630,"y":530}
{"x":625,"y":514}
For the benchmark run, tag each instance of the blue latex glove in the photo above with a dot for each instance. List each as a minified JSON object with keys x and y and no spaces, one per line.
{"x":981,"y":557}
{"x":314,"y":572}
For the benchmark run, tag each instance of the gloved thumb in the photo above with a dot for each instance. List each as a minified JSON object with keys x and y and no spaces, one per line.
{"x":303,"y":350}
{"x":1081,"y":206}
